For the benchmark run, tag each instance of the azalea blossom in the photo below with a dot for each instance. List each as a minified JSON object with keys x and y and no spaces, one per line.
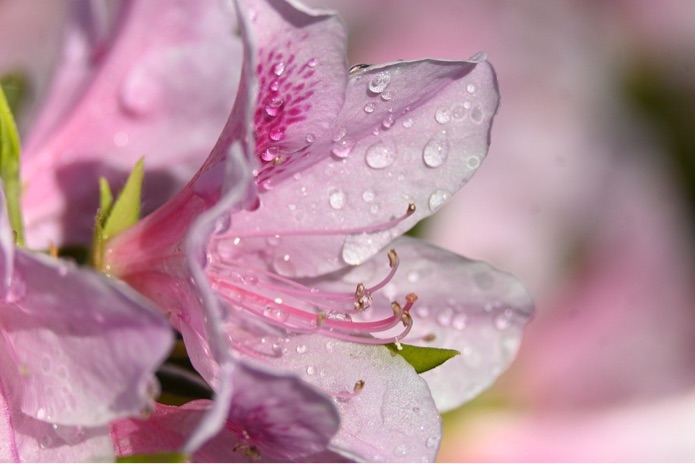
{"x":282,"y":251}
{"x":79,"y":352}
{"x":133,"y":79}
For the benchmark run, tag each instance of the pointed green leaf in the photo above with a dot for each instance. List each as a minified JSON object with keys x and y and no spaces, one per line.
{"x":125,"y":212}
{"x":16,"y":88}
{"x":9,"y":167}
{"x":156,"y":457}
{"x":105,"y":200}
{"x":422,"y":358}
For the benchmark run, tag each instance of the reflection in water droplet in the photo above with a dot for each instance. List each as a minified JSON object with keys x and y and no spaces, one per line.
{"x":437,"y":199}
{"x":380,"y":155}
{"x":379,"y":82}
{"x":336,"y":199}
{"x":436,"y":150}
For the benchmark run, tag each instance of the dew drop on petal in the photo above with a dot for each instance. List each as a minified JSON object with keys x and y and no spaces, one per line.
{"x":310,"y":138}
{"x":436,"y":150}
{"x":368,"y":196}
{"x":379,"y":82}
{"x":311,"y":370}
{"x":374,"y":209}
{"x":473,"y":162}
{"x":459,"y":321}
{"x":275,"y":85}
{"x":342,"y":148}
{"x":336,"y":199}
{"x":442,"y":115}
{"x":330,"y":346}
{"x":270,"y":153}
{"x":312,"y":62}
{"x":380,"y":155}
{"x":432,"y":442}
{"x":437,"y":199}
{"x":503,"y":320}
{"x":408,"y":123}
{"x":400,"y":450}
{"x":459,"y":112}
{"x":369,"y":108}
{"x":387,"y":122}
{"x":279,"y":68}
{"x":301,"y":349}
{"x":386,"y":96}
{"x":477,"y":114}
{"x":470,"y":88}
{"x":277,"y":134}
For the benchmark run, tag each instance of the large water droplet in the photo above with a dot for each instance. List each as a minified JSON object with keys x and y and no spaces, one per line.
{"x":442,"y":115}
{"x":342,"y":148}
{"x":336,"y":198}
{"x":437,"y":199}
{"x":380,"y":155}
{"x":379,"y":82}
{"x":436,"y":150}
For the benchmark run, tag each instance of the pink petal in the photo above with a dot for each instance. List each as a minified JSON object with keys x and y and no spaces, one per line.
{"x":84,"y":348}
{"x":149,"y":95}
{"x":462,"y":304}
{"x":392,"y":418}
{"x":337,"y":211}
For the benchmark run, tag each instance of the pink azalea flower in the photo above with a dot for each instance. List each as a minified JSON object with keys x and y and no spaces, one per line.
{"x":134,"y":79}
{"x":79,"y":352}
{"x":272,"y":255}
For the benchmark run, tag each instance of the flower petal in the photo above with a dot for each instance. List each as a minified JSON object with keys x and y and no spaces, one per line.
{"x":148,"y":95}
{"x":84,"y":348}
{"x":391,"y":417}
{"x":462,"y":304}
{"x":419,"y":146}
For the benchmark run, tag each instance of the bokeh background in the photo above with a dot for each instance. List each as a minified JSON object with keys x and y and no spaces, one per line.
{"x":588,"y":196}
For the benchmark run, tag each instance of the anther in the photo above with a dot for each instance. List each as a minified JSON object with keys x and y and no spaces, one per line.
{"x":411,"y":298}
{"x":397,"y":310}
{"x":359,"y":385}
{"x":429,"y":337}
{"x":411,"y":209}
{"x":277,"y":160}
{"x":359,"y":292}
{"x":248,"y":450}
{"x":406,"y":319}
{"x":320,"y":318}
{"x":393,"y":258}
{"x":357,"y":68}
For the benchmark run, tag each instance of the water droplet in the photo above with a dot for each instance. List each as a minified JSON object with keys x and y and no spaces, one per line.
{"x":380,"y":155}
{"x":279,"y":68}
{"x":368,"y":196}
{"x":276,"y":347}
{"x":432,"y":442}
{"x":422,"y":311}
{"x":388,"y":122}
{"x":436,"y":150}
{"x":442,"y":115}
{"x":339,"y":134}
{"x":369,"y":108}
{"x":275,"y":85}
{"x":41,"y":414}
{"x":311,"y":370}
{"x":374,"y":209}
{"x":379,"y":83}
{"x":408,"y":123}
{"x":336,"y":199}
{"x":17,"y":289}
{"x":477,"y":114}
{"x":310,"y":138}
{"x":330,"y":345}
{"x":301,"y":349}
{"x":386,"y":96}
{"x":459,"y":321}
{"x":277,"y":134}
{"x":270,"y":153}
{"x":413,"y":277}
{"x":342,"y":148}
{"x":471,"y":88}
{"x":459,"y":112}
{"x":400,"y":450}
{"x":503,"y":320}
{"x":140,"y":92}
{"x":312,"y":62}
{"x":473,"y":162}
{"x":273,"y":106}
{"x":444,"y":317}
{"x":45,"y":441}
{"x":437,"y":199}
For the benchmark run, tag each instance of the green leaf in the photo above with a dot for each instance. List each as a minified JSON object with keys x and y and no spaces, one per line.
{"x":9,"y":167}
{"x":105,"y":200}
{"x":16,"y":88}
{"x":125,"y":212}
{"x":156,"y":457}
{"x":422,"y":358}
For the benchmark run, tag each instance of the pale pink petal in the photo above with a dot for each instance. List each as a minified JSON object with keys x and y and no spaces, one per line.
{"x":163,"y":89}
{"x":392,"y":417}
{"x":83,"y":347}
{"x":279,"y":417}
{"x":419,"y":146}
{"x":464,"y":305}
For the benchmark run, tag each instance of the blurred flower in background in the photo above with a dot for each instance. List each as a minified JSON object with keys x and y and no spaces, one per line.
{"x":588,"y":196}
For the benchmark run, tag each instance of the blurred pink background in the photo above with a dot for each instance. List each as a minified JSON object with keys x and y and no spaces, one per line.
{"x":587,"y":195}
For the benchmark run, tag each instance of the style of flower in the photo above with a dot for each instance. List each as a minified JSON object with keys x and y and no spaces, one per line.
{"x":79,"y":352}
{"x":272,"y":254}
{"x":134,"y":79}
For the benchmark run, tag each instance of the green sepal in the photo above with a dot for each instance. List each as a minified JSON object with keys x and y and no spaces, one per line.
{"x":115,"y":217}
{"x":422,"y":358}
{"x":16,"y":88}
{"x":172,"y":456}
{"x":9,"y":168}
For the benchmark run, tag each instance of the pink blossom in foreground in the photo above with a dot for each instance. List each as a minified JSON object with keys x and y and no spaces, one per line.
{"x":272,"y":254}
{"x":134,"y":79}
{"x":79,"y":352}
